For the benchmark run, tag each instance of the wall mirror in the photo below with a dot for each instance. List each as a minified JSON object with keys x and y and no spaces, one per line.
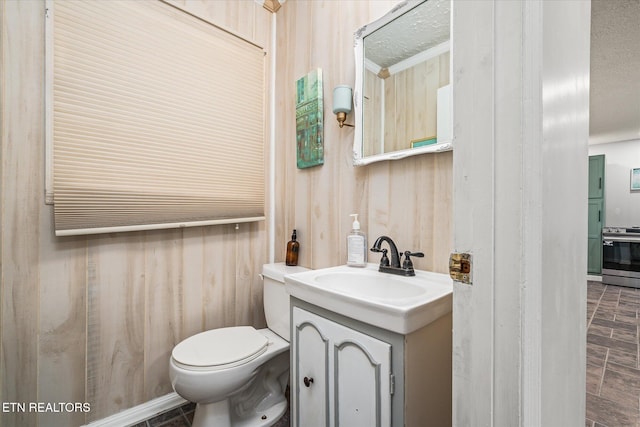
{"x":402,"y":95}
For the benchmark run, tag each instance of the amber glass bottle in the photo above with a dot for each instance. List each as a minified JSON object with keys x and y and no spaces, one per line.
{"x":292,"y":250}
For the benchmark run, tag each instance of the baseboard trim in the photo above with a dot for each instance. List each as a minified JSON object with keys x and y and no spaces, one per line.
{"x":141,"y":412}
{"x":594,"y":278}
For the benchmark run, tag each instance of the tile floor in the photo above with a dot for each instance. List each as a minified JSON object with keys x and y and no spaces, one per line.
{"x":613,"y":369}
{"x":183,"y":417}
{"x":179,"y":417}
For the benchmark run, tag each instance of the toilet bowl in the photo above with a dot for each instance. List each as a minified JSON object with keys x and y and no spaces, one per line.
{"x":237,"y":376}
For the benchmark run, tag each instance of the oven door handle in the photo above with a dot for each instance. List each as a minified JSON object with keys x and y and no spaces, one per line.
{"x":625,"y":239}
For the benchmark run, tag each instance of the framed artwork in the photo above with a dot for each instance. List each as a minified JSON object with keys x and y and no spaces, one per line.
{"x":635,"y":179}
{"x":309,"y":120}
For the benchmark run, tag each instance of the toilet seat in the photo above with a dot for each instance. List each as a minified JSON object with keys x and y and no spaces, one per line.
{"x":220,"y":348}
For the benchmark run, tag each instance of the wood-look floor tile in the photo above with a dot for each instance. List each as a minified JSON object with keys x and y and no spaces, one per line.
{"x":614,"y":324}
{"x":613,"y":338}
{"x":624,"y":334}
{"x":628,"y":370}
{"x":622,"y":357}
{"x":609,"y":301}
{"x":176,"y":422}
{"x":609,"y":306}
{"x":164,"y":417}
{"x":625,"y":310}
{"x":631,"y":320}
{"x":612,"y":343}
{"x":594,"y":378}
{"x":631,"y":307}
{"x":189,"y":416}
{"x":609,"y":413}
{"x":630,"y":301}
{"x":606,"y":313}
{"x":603,"y":331}
{"x":621,"y":388}
{"x":630,"y":292}
{"x":596,"y":354}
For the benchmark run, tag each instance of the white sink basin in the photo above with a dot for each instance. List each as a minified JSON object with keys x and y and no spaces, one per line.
{"x":396,"y":303}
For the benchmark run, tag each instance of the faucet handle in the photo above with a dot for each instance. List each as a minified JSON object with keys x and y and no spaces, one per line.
{"x":384,"y":260}
{"x":408,"y":264}
{"x":416,"y":254}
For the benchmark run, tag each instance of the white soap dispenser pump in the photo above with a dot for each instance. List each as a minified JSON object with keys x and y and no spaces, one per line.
{"x":356,"y":245}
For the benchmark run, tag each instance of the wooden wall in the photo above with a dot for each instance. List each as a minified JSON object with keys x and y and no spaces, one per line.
{"x":94,"y":319}
{"x":408,"y":200}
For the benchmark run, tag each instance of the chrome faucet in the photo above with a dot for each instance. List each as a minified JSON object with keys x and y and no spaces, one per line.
{"x":393,"y":266}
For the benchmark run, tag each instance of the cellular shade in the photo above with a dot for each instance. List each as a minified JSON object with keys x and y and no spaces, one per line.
{"x":157,"y":119}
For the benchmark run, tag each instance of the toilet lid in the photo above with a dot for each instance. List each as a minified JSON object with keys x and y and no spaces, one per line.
{"x":220,"y":347}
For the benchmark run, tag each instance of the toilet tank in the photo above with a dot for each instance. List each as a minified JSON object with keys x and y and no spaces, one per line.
{"x":276,"y":298}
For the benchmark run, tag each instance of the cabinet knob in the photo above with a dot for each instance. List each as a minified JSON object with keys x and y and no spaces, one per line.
{"x":307,"y":381}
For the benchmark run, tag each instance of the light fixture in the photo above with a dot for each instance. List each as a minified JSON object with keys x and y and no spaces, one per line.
{"x":342,"y":103}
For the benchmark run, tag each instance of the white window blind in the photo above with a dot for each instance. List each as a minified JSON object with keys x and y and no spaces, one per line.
{"x":156,"y":119}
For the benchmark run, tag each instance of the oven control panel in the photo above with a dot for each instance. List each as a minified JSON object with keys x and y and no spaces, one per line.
{"x":621,"y":230}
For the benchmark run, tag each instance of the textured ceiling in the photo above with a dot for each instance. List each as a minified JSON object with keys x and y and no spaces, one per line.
{"x":422,"y":28}
{"x":615,"y":71}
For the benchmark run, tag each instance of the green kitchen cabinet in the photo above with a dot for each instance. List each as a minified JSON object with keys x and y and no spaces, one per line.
{"x":596,"y":214}
{"x":594,"y":260}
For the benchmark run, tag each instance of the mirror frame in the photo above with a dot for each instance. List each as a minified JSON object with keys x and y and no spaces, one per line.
{"x":359,"y":35}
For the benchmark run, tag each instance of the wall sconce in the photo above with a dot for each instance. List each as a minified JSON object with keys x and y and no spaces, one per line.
{"x":342,"y":103}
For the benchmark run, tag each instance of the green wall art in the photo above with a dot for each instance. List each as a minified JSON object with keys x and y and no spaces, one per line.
{"x":309,"y":120}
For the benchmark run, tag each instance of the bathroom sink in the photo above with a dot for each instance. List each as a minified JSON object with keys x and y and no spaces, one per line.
{"x":396,"y":303}
{"x":369,"y":285}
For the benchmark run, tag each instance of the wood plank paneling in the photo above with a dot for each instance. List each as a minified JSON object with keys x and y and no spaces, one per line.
{"x":409,"y":199}
{"x":116,"y":306}
{"x":220,"y":302}
{"x":21,"y":187}
{"x":193,"y":282}
{"x":63,"y":308}
{"x":163,"y":273}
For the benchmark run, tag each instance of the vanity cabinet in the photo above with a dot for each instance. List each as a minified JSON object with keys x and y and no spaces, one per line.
{"x":342,"y":375}
{"x":351,"y":374}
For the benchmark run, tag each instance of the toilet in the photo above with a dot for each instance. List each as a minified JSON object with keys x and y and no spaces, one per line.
{"x":237,"y":376}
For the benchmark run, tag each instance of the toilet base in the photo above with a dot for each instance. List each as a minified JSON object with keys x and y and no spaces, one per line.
{"x":261,"y":403}
{"x":217,"y":415}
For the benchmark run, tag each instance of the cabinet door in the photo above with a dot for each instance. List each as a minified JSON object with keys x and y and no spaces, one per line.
{"x":594,"y":259}
{"x":340,"y":377}
{"x":596,"y":213}
{"x":362,"y":371}
{"x":310,"y":371}
{"x":596,"y":176}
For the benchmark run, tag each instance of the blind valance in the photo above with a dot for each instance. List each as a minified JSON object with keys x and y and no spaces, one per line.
{"x":156,"y":119}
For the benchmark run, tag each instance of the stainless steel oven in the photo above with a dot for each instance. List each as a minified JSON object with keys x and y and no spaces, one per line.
{"x":621,"y":256}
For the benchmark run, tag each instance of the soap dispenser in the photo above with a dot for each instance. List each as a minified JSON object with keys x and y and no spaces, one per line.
{"x":356,"y":245}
